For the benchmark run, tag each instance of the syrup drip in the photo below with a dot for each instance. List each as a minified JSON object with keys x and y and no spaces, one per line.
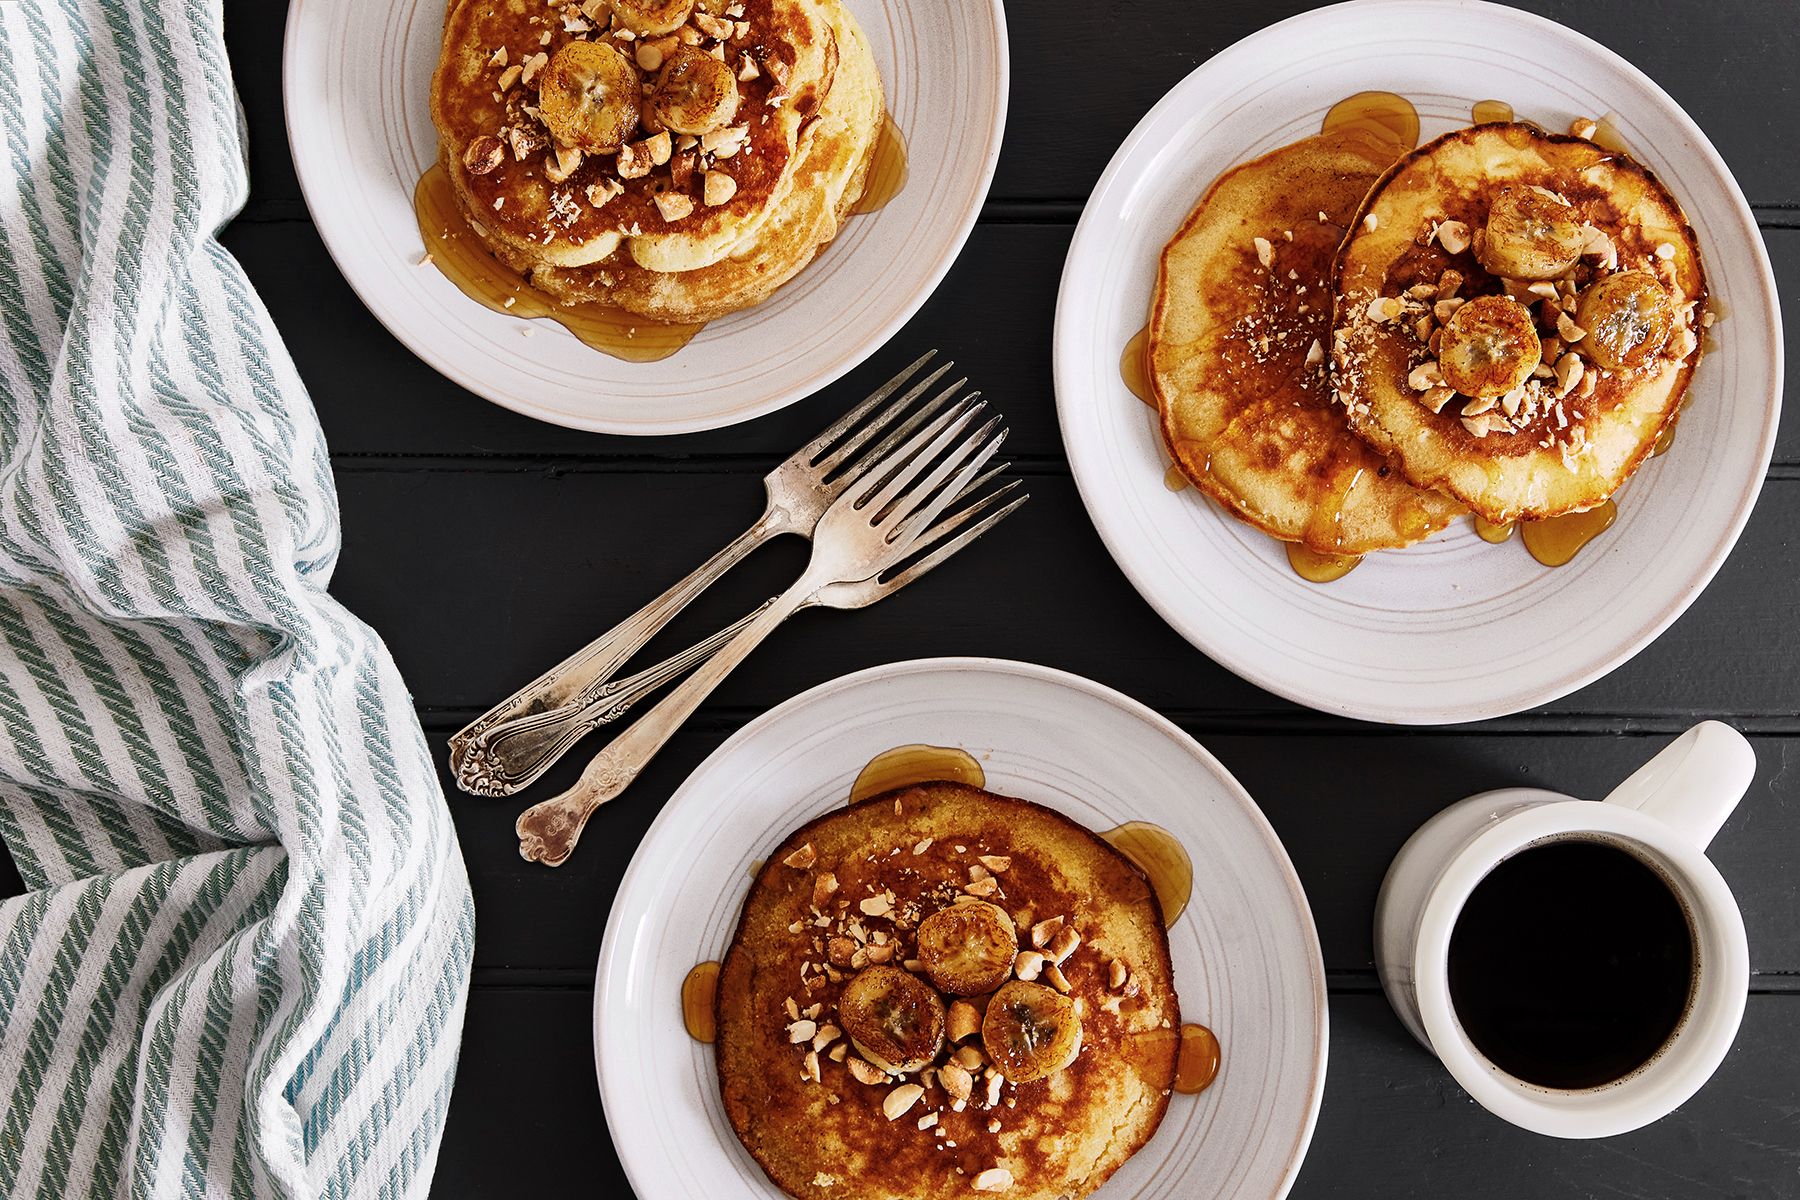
{"x":1487,"y":111}
{"x":1491,"y":533}
{"x":904,"y":766}
{"x":887,"y":169}
{"x":697,"y":993}
{"x":1196,"y":1056}
{"x":1389,"y":118}
{"x":1314,"y":567}
{"x":458,"y":253}
{"x":1134,"y":366}
{"x":1160,"y":857}
{"x":1173,"y":479}
{"x":1664,"y":440}
{"x":1555,"y":541}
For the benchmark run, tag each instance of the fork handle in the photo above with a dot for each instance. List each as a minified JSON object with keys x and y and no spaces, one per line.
{"x":595,"y":662}
{"x":548,"y":831}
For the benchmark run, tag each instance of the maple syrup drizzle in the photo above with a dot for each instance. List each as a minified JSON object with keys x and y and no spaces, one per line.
{"x":1197,"y":1055}
{"x":904,"y":766}
{"x":1134,"y":366}
{"x":1160,"y":857}
{"x":1314,"y":567}
{"x":1390,"y":118}
{"x":1555,"y":541}
{"x":1492,"y":532}
{"x":459,"y":255}
{"x":697,"y":993}
{"x":1487,"y":111}
{"x":1173,"y":479}
{"x":887,"y":169}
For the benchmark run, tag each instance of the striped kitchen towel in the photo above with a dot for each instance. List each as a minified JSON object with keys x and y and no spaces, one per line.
{"x":241,"y":964}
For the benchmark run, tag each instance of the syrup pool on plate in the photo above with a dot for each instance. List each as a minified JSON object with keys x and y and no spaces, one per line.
{"x":1161,"y":857}
{"x":697,"y":993}
{"x":904,"y":766}
{"x":887,"y":169}
{"x":459,"y":255}
{"x":1555,"y":541}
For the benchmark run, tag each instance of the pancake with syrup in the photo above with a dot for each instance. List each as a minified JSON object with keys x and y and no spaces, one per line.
{"x":1518,"y":317}
{"x":677,"y":160}
{"x":893,"y":1019}
{"x":1241,"y":317}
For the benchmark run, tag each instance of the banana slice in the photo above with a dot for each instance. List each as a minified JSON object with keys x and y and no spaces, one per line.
{"x":968,"y":949}
{"x":589,"y":97}
{"x":1489,"y":347}
{"x":1030,"y":1031}
{"x":1628,"y":318}
{"x":893,"y":1018}
{"x":651,"y":17}
{"x":1531,"y":234}
{"x":696,"y":94}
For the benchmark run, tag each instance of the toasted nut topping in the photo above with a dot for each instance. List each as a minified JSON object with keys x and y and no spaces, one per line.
{"x":995,"y":1081}
{"x":957,"y":1081}
{"x":1265,"y":251}
{"x":483,"y":154}
{"x":874,"y":906}
{"x":649,"y":56}
{"x":532,"y":66}
{"x":1044,"y":930}
{"x":497,"y":58}
{"x":968,"y":1058}
{"x":1424,"y":377}
{"x":901,"y":1099}
{"x":599,"y":194}
{"x":562,"y":164}
{"x":1115,"y":974}
{"x":867,"y":1072}
{"x":1028,"y":965}
{"x":963,"y":1020}
{"x":1446,"y":308}
{"x":1453,"y":236}
{"x":826,"y":1035}
{"x":801,"y":1031}
{"x":1437,"y":397}
{"x":802,"y":858}
{"x":509,"y":77}
{"x":994,"y":862}
{"x":1063,"y":944}
{"x":879,"y":954}
{"x":824,"y":884}
{"x":660,"y":146}
{"x":1569,"y":370}
{"x":634,"y":160}
{"x":1581,"y":127}
{"x":994,"y":1179}
{"x":1479,"y":405}
{"x":748,"y":70}
{"x":1055,"y":978}
{"x":1371,"y":222}
{"x":1315,"y":353}
{"x":712,"y":26}
{"x":1568,"y":330}
{"x":839,"y":1052}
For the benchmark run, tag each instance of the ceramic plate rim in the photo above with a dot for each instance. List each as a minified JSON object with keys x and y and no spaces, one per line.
{"x":824,"y":376}
{"x":614,"y":944}
{"x":1139,"y":571}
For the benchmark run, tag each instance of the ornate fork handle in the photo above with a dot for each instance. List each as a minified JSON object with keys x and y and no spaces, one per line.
{"x":595,"y":663}
{"x":511,"y":756}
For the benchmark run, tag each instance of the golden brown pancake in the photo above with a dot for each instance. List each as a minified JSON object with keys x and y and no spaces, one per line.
{"x":876,"y":871}
{"x":678,"y":216}
{"x":1237,"y":354}
{"x":1575,"y":430}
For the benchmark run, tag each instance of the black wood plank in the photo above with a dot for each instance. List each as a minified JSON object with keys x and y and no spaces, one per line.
{"x":1394,"y":1124}
{"x":539,"y":560}
{"x":1083,"y":75}
{"x":1341,"y":834}
{"x":993,"y":314}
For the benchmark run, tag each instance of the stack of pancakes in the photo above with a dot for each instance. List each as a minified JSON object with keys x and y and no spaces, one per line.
{"x":858,"y":897}
{"x":677,"y":159}
{"x":1313,"y":376}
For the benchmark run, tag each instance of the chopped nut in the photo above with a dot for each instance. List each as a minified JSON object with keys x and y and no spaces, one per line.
{"x":1265,"y":252}
{"x":1315,"y":353}
{"x":1437,"y":397}
{"x":1581,"y":127}
{"x":1683,"y":343}
{"x":1448,"y":284}
{"x":901,"y":1099}
{"x":563,"y":163}
{"x":1425,"y":376}
{"x":1569,"y":369}
{"x":1115,"y":974}
{"x":1453,"y":236}
{"x":1568,"y":330}
{"x":498,"y":58}
{"x":810,"y":1066}
{"x":483,"y":154}
{"x":712,"y":26}
{"x":824,"y":884}
{"x":1665,"y":250}
{"x":1064,"y":944}
{"x":968,"y":1058}
{"x":748,"y":70}
{"x":1028,"y":965}
{"x":994,"y":862}
{"x":634,"y":160}
{"x":928,"y":1120}
{"x":724,"y":143}
{"x":1055,"y":978}
{"x":1478,"y":426}
{"x":509,"y":77}
{"x":525,"y":142}
{"x":601,"y":193}
{"x":958,"y":1083}
{"x":801,"y":1031}
{"x":879,"y":954}
{"x":1543,"y":289}
{"x":803,"y":858}
{"x":532,"y":66}
{"x":826,"y":1035}
{"x":866,"y":1072}
{"x":963,"y":1021}
{"x":649,"y":56}
{"x":1384,"y":308}
{"x":1479,"y":405}
{"x":839,"y":1052}
{"x":660,"y":146}
{"x":1044,"y":930}
{"x":1446,"y":308}
{"x":982,"y":887}
{"x":994,"y":1083}
{"x":1371,"y":222}
{"x":873,"y":906}
{"x":994,"y":1179}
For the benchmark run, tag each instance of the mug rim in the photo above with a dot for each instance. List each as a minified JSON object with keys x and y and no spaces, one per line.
{"x":1699,"y":1043}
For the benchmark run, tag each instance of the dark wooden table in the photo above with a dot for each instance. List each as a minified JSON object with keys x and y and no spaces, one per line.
{"x":484,"y":546}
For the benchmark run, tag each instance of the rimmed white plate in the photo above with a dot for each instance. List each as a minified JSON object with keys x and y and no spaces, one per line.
{"x":1453,"y":629}
{"x":357,"y":78}
{"x":1245,"y":952}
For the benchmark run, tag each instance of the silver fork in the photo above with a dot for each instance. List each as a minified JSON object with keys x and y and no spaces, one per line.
{"x":515,"y":754}
{"x":874,"y":527}
{"x":798,"y":492}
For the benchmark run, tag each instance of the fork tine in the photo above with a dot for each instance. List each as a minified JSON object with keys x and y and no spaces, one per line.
{"x":848,"y":421}
{"x":919,"y":452}
{"x":944,"y":549}
{"x":851,"y":445}
{"x":920,"y":505}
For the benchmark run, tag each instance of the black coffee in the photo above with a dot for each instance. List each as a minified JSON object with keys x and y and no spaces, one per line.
{"x":1571,"y":964}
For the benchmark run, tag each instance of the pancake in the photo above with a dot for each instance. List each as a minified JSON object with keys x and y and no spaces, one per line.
{"x":1515,"y":412}
{"x":897,"y":861}
{"x":608,"y":148}
{"x":1237,"y":361}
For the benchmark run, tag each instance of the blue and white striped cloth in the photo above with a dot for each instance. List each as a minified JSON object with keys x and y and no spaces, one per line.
{"x":241,"y":966}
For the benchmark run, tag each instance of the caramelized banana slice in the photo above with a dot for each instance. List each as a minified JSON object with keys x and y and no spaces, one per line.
{"x":894,"y":1018}
{"x":1489,"y":347}
{"x":968,"y":948}
{"x":1030,"y":1031}
{"x":651,"y":17}
{"x":1628,"y":318}
{"x":696,"y":94}
{"x":589,"y":97}
{"x":1531,"y":234}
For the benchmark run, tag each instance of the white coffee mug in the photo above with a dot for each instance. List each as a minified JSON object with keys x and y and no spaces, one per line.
{"x":1664,"y":814}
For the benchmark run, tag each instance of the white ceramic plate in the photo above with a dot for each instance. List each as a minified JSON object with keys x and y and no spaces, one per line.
{"x":357,"y":76}
{"x":1453,"y":629}
{"x":1245,"y":952}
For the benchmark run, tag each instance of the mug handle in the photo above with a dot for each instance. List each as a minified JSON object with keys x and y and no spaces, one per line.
{"x":1694,"y":783}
